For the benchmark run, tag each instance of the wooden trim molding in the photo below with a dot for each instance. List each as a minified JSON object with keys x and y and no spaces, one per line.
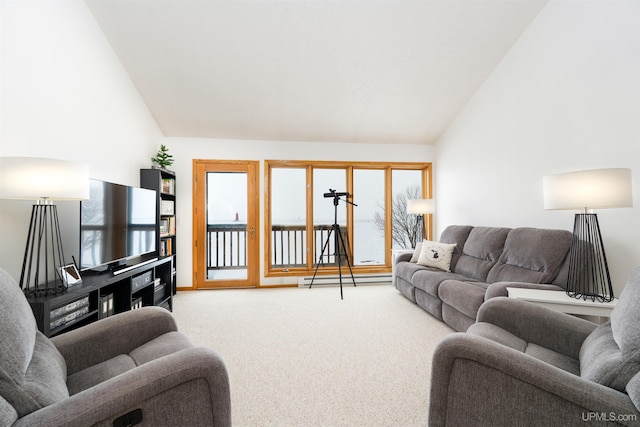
{"x":349,"y":167}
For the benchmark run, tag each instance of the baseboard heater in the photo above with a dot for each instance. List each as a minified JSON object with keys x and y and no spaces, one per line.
{"x":361,"y":279}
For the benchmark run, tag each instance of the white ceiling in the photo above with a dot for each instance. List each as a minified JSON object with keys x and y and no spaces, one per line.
{"x":390,"y":71}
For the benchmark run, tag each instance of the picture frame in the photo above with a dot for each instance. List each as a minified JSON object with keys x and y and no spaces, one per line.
{"x":69,"y":275}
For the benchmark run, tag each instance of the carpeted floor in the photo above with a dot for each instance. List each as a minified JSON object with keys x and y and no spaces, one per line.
{"x":303,"y":357}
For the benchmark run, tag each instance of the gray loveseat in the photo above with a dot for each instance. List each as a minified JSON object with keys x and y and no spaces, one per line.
{"x":485,"y":261}
{"x":522,"y":364}
{"x":131,"y":367}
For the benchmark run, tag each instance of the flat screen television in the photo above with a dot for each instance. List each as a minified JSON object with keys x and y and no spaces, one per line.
{"x":117,"y":226}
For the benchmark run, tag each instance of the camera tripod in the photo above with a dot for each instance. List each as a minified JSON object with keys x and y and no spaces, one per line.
{"x":339,"y":246}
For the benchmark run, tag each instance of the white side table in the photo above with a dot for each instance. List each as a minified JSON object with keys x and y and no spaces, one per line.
{"x":394,"y":255}
{"x":560,"y":301}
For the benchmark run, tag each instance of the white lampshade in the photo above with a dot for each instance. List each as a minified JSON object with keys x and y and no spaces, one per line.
{"x":31,"y":178}
{"x":420,"y":206}
{"x":589,"y":189}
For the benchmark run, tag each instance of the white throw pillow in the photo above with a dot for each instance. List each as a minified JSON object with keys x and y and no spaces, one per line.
{"x":416,"y":253}
{"x":436,"y":254}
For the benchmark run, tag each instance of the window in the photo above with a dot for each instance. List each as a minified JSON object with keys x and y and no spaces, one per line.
{"x":288,"y":217}
{"x":369,"y":242}
{"x":406,"y":185}
{"x":301,"y":212}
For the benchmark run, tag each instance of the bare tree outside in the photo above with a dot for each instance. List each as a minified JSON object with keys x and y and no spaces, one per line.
{"x":406,"y":230}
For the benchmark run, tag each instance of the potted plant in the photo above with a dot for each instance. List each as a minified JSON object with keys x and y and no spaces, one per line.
{"x":163,"y":158}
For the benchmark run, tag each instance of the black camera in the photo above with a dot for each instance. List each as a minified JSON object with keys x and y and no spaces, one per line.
{"x":334,"y":194}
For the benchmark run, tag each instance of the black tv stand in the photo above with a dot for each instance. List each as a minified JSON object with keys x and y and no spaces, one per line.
{"x":104,"y":294}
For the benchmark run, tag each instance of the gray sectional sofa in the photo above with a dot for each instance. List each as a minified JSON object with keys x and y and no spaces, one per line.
{"x":484,"y":262}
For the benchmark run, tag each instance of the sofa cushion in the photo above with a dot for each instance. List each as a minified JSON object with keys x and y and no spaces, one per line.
{"x":428,"y":303}
{"x":17,"y":334}
{"x":8,"y":414}
{"x":405,"y":270}
{"x":33,"y":373}
{"x":481,"y":251}
{"x":161,"y":346}
{"x":531,"y":255}
{"x":429,"y":279}
{"x":457,"y":234}
{"x":625,"y":318}
{"x":633,"y":389}
{"x":611,"y":354}
{"x":600,"y":358}
{"x":554,"y":358}
{"x":416,"y":252}
{"x":466,"y":297}
{"x":406,"y":289}
{"x":99,"y":373}
{"x":506,"y":338}
{"x":165,"y":344}
{"x":436,"y":254}
{"x":499,"y":335}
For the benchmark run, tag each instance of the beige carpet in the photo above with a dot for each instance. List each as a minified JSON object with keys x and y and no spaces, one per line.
{"x":303,"y":357}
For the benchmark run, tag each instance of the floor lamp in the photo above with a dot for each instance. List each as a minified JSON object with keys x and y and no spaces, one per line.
{"x":586,"y":190}
{"x":45,"y":181}
{"x":420,"y":207}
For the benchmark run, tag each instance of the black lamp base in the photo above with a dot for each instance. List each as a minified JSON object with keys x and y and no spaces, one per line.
{"x":588,"y":270}
{"x":43,"y":253}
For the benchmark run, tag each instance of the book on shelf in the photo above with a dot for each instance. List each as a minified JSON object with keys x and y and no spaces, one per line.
{"x":106,"y":306}
{"x":168,"y":226}
{"x":164,"y":227}
{"x":166,"y":247}
{"x":168,"y":186}
{"x":167,"y":207}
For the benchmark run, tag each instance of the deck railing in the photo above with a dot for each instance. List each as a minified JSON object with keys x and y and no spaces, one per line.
{"x":227,"y":249}
{"x":226,"y":246}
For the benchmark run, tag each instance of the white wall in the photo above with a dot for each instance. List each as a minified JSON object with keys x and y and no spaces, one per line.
{"x":187,"y":149}
{"x":65,"y":95}
{"x":566,"y":97}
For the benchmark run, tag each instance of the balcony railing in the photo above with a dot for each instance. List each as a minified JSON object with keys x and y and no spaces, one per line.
{"x":226,"y":246}
{"x":227,"y":249}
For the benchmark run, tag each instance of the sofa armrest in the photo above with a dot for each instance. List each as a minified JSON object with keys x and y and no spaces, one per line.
{"x":111,"y":336}
{"x":557,"y":331}
{"x":189,"y":387}
{"x":499,"y":289}
{"x":475,"y":381}
{"x":404,"y":256}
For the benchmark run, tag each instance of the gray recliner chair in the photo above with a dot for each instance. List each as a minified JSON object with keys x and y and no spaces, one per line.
{"x":132,"y":368}
{"x":522,"y":364}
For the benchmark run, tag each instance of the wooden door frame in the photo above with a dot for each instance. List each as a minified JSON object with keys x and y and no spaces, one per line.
{"x":200,"y":168}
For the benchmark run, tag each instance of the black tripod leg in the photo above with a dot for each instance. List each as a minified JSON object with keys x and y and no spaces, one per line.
{"x":340,"y":275}
{"x":348,"y":262}
{"x":324,"y":248}
{"x":338,"y":237}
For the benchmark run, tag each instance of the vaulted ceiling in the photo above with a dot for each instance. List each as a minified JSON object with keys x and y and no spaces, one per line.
{"x":387,"y":71}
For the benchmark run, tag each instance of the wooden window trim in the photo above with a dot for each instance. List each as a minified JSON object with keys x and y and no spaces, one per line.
{"x":309,"y":166}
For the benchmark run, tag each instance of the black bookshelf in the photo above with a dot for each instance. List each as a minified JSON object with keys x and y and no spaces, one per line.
{"x":164,"y":183}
